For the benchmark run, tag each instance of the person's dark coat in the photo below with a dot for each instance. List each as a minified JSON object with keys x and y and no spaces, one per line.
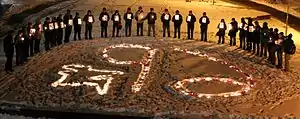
{"x":234,"y":30}
{"x":243,"y":30}
{"x":103,"y":22}
{"x":126,"y":15}
{"x":257,"y":34}
{"x":165,"y":21}
{"x":202,"y":24}
{"x":151,"y":17}
{"x":221,"y":31}
{"x":114,"y":16}
{"x":287,"y":45}
{"x":250,"y":34}
{"x":86,"y":19}
{"x":8,"y":45}
{"x":192,"y":21}
{"x":66,"y":19}
{"x":177,"y":22}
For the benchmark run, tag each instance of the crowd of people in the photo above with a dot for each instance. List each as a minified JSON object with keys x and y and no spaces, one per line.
{"x":263,"y":41}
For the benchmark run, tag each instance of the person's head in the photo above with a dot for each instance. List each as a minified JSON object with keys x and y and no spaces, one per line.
{"x":20,"y":32}
{"x":10,"y":32}
{"x":232,"y":19}
{"x":117,"y":11}
{"x":128,"y":9}
{"x":281,"y":34}
{"x":276,"y":30}
{"x":290,"y":36}
{"x":256,"y":23}
{"x":104,"y":9}
{"x":77,"y":14}
{"x":265,"y":25}
{"x":53,"y":18}
{"x":60,"y":16}
{"x":140,"y":8}
{"x":68,"y":11}
{"x":47,"y":19}
{"x":166,"y":10}
{"x":151,"y":9}
{"x":243,"y":20}
{"x":222,"y":20}
{"x":177,"y":11}
{"x":204,"y":14}
{"x":89,"y":12}
{"x":190,"y":12}
{"x":249,"y":20}
{"x":271,"y":29}
{"x":29,"y":24}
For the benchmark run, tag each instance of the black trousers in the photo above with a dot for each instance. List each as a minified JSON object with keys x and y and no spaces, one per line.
{"x":31,"y":47}
{"x":249,"y":44}
{"x":203,"y":34}
{"x":190,"y":31}
{"x":104,"y":31}
{"x":9,"y":60}
{"x":271,"y":53}
{"x":37,"y":45}
{"x":140,"y":29}
{"x":256,"y":47}
{"x":20,"y":56}
{"x":88,"y":31}
{"x":177,"y":31}
{"x":151,"y":27}
{"x":77,"y":33}
{"x":47,"y":41}
{"x":115,"y":28}
{"x":128,"y":26}
{"x":60,"y":35}
{"x":68,"y":31}
{"x":166,"y":27}
{"x":53,"y":38}
{"x":243,"y":42}
{"x":263,"y":49}
{"x":232,"y":41}
{"x":221,"y":39}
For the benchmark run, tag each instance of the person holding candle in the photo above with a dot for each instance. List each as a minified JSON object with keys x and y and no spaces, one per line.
{"x":289,"y":49}
{"x":272,"y":46}
{"x":116,"y":18}
{"x":128,"y":16}
{"x":104,"y":18}
{"x":233,"y":29}
{"x":30,"y":39}
{"x":256,"y":42}
{"x":19,"y":45}
{"x":60,"y":31}
{"x":68,"y":22}
{"x":8,"y":46}
{"x":250,"y":34}
{"x":47,"y":34}
{"x":221,"y":33}
{"x":151,"y":17}
{"x":77,"y":21}
{"x":140,"y":17}
{"x":265,"y":36}
{"x":177,"y":19}
{"x":37,"y":37}
{"x":190,"y":20}
{"x":54,"y":32}
{"x":204,"y":21}
{"x":89,"y":20}
{"x":279,"y":49}
{"x":242,"y":34}
{"x":165,"y":19}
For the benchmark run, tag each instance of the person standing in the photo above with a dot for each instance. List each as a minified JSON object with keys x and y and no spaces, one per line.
{"x":140,"y":17}
{"x":233,"y":29}
{"x":19,"y":45}
{"x":265,"y":37}
{"x":8,"y":45}
{"x":250,"y":34}
{"x":272,"y":46}
{"x":104,"y":18}
{"x":165,"y":19}
{"x":89,"y":20}
{"x":60,"y":31}
{"x":243,"y":33}
{"x":289,"y":49}
{"x":177,"y":19}
{"x":47,"y":33}
{"x":151,"y":17}
{"x":221,"y":33}
{"x":204,"y":21}
{"x":279,"y":49}
{"x":30,"y":37}
{"x":128,"y":16}
{"x":77,"y":21}
{"x":190,"y":20}
{"x":68,"y":22}
{"x":25,"y":46}
{"x":54,"y":32}
{"x":37,"y":37}
{"x":256,"y":40}
{"x":117,"y":25}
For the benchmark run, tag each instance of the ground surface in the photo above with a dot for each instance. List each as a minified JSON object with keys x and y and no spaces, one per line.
{"x":268,"y":97}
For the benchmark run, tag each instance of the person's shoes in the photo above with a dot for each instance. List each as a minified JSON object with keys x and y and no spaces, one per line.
{"x":278,"y":66}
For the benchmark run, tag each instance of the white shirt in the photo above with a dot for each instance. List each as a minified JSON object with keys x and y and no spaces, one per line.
{"x":176,"y":17}
{"x":129,"y":16}
{"x":167,"y":17}
{"x":189,"y":18}
{"x":104,"y":18}
{"x":116,"y":18}
{"x":90,"y":19}
{"x":204,"y":20}
{"x":79,"y":21}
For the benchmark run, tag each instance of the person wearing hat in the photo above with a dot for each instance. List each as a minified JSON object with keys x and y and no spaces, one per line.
{"x":177,"y":19}
{"x":140,"y":17}
{"x":221,"y":33}
{"x":256,"y":40}
{"x":77,"y":21}
{"x":243,"y":33}
{"x":60,"y":31}
{"x":47,"y":33}
{"x":19,"y":45}
{"x":104,"y":18}
{"x":151,"y":17}
{"x":8,"y":46}
{"x":190,"y":20}
{"x":116,"y":18}
{"x":204,"y":21}
{"x":165,"y":19}
{"x":288,"y":46}
{"x":89,"y":20}
{"x":128,"y":16}
{"x":233,"y":29}
{"x":68,"y":21}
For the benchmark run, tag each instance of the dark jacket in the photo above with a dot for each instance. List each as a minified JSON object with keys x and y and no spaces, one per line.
{"x":101,"y":18}
{"x":204,"y":23}
{"x":66,"y":19}
{"x":192,"y":20}
{"x":128,"y":17}
{"x":114,"y":18}
{"x":250,"y":32}
{"x":75,"y":21}
{"x":222,"y":29}
{"x":243,"y":31}
{"x":287,"y":45}
{"x":151,"y":17}
{"x":177,"y":22}
{"x":8,"y":45}
{"x":257,"y":34}
{"x":234,"y":29}
{"x":60,"y":23}
{"x":264,"y":35}
{"x":46,"y":27}
{"x":165,"y":19}
{"x":86,"y":19}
